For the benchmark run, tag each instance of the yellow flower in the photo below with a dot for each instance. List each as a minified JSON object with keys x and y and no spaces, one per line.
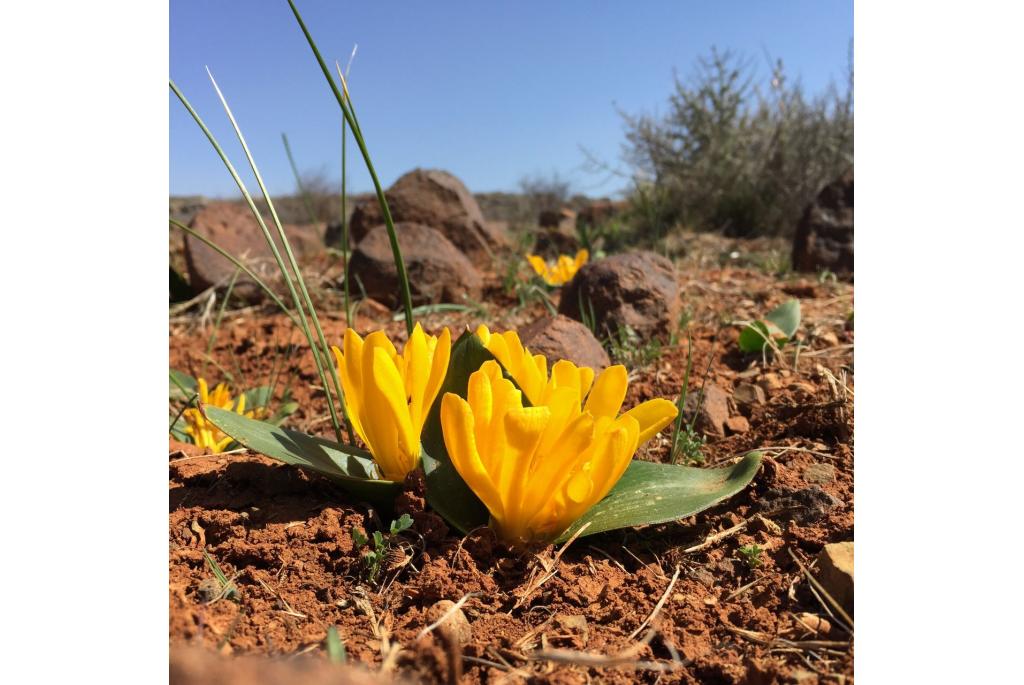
{"x":562,"y":271}
{"x":530,"y":373}
{"x":204,"y":433}
{"x":538,"y":469}
{"x":388,"y":395}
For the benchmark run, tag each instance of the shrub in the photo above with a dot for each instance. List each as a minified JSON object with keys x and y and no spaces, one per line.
{"x":732,"y":157}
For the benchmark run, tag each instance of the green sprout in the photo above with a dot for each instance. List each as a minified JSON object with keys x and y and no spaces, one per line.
{"x":375,"y":555}
{"x":751,"y":555}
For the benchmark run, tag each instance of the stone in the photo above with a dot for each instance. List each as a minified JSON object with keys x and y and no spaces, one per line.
{"x":803,"y":506}
{"x":748,"y":394}
{"x":233,"y":228}
{"x":835,"y":572}
{"x":599,"y":212}
{"x":441,"y":201}
{"x":819,"y":474}
{"x":737,"y":424}
{"x":634,"y":289}
{"x":437,"y":270}
{"x":560,"y":337}
{"x":770,"y":382}
{"x":824,"y":236}
{"x":455,"y":626}
{"x":714,"y":409}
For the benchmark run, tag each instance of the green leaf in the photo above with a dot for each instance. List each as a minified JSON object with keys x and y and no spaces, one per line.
{"x":257,"y":397}
{"x":780,"y":324}
{"x":402,"y":524}
{"x":651,"y":493}
{"x":447,"y":493}
{"x":335,"y":647}
{"x":178,"y":430}
{"x":182,"y":386}
{"x":283,"y":412}
{"x":350,"y":467}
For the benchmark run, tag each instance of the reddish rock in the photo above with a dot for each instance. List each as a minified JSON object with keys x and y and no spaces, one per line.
{"x":737,"y":424}
{"x":714,"y":411}
{"x":557,"y":235}
{"x":232,"y":227}
{"x":438,"y":271}
{"x":635,"y":289}
{"x":824,"y":236}
{"x":599,"y":212}
{"x":835,"y":571}
{"x":439,"y":200}
{"x":560,"y":337}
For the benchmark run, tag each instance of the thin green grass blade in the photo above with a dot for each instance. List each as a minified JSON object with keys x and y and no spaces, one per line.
{"x":220,"y":317}
{"x":248,"y":272}
{"x":298,"y":180}
{"x":326,"y":352}
{"x":681,"y":403}
{"x":650,"y":493}
{"x":348,"y":111}
{"x":318,"y":357}
{"x":182,"y":385}
{"x":348,"y":466}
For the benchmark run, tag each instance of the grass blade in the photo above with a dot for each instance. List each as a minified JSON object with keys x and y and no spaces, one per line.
{"x":318,"y":356}
{"x":345,"y":102}
{"x":298,"y":180}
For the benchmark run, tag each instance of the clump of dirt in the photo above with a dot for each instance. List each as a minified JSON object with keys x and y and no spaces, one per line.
{"x":672,"y":603}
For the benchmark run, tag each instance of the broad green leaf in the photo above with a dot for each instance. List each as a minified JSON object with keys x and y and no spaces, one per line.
{"x":182,"y":385}
{"x":447,"y":493}
{"x":283,"y":412}
{"x":350,"y":467}
{"x":178,"y":431}
{"x":335,"y":647}
{"x":651,"y":493}
{"x":786,"y":317}
{"x":257,"y":397}
{"x":780,"y":324}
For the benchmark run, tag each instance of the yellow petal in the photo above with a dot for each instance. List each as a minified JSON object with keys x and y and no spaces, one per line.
{"x":652,"y":416}
{"x":608,"y":392}
{"x":441,"y":355}
{"x":457,"y":426}
{"x":538,"y":264}
{"x":392,"y":388}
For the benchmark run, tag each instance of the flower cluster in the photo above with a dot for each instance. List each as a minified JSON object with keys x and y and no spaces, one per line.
{"x":562,"y":271}
{"x":204,"y":433}
{"x":388,"y":394}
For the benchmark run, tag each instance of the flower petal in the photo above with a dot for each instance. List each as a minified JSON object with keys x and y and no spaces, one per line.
{"x":608,"y":392}
{"x":458,"y":429}
{"x":652,"y":416}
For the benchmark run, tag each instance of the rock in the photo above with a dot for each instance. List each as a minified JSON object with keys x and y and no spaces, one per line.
{"x":770,"y":382}
{"x":558,"y":219}
{"x":800,"y":505}
{"x":560,"y":337}
{"x":635,"y":289}
{"x":812,"y":623}
{"x":437,"y":270}
{"x":824,"y":236}
{"x":748,"y":394}
{"x":439,"y":200}
{"x":599,"y":212}
{"x":455,"y":626}
{"x":233,"y":227}
{"x":714,"y":409}
{"x":551,"y":243}
{"x":737,"y":424}
{"x":835,"y":572}
{"x":820,"y":474}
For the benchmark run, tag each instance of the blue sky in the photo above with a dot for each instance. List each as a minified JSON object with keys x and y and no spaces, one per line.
{"x":491,"y":91}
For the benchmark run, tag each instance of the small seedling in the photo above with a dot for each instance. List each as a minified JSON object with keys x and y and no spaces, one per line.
{"x":375,"y":555}
{"x":625,"y":347}
{"x":752,"y":555}
{"x":228,"y":589}
{"x":686,"y":441}
{"x":774,"y":330}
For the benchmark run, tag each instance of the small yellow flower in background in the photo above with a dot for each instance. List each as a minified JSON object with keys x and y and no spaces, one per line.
{"x":388,"y":395}
{"x":204,"y":433}
{"x":562,"y":271}
{"x":538,"y":469}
